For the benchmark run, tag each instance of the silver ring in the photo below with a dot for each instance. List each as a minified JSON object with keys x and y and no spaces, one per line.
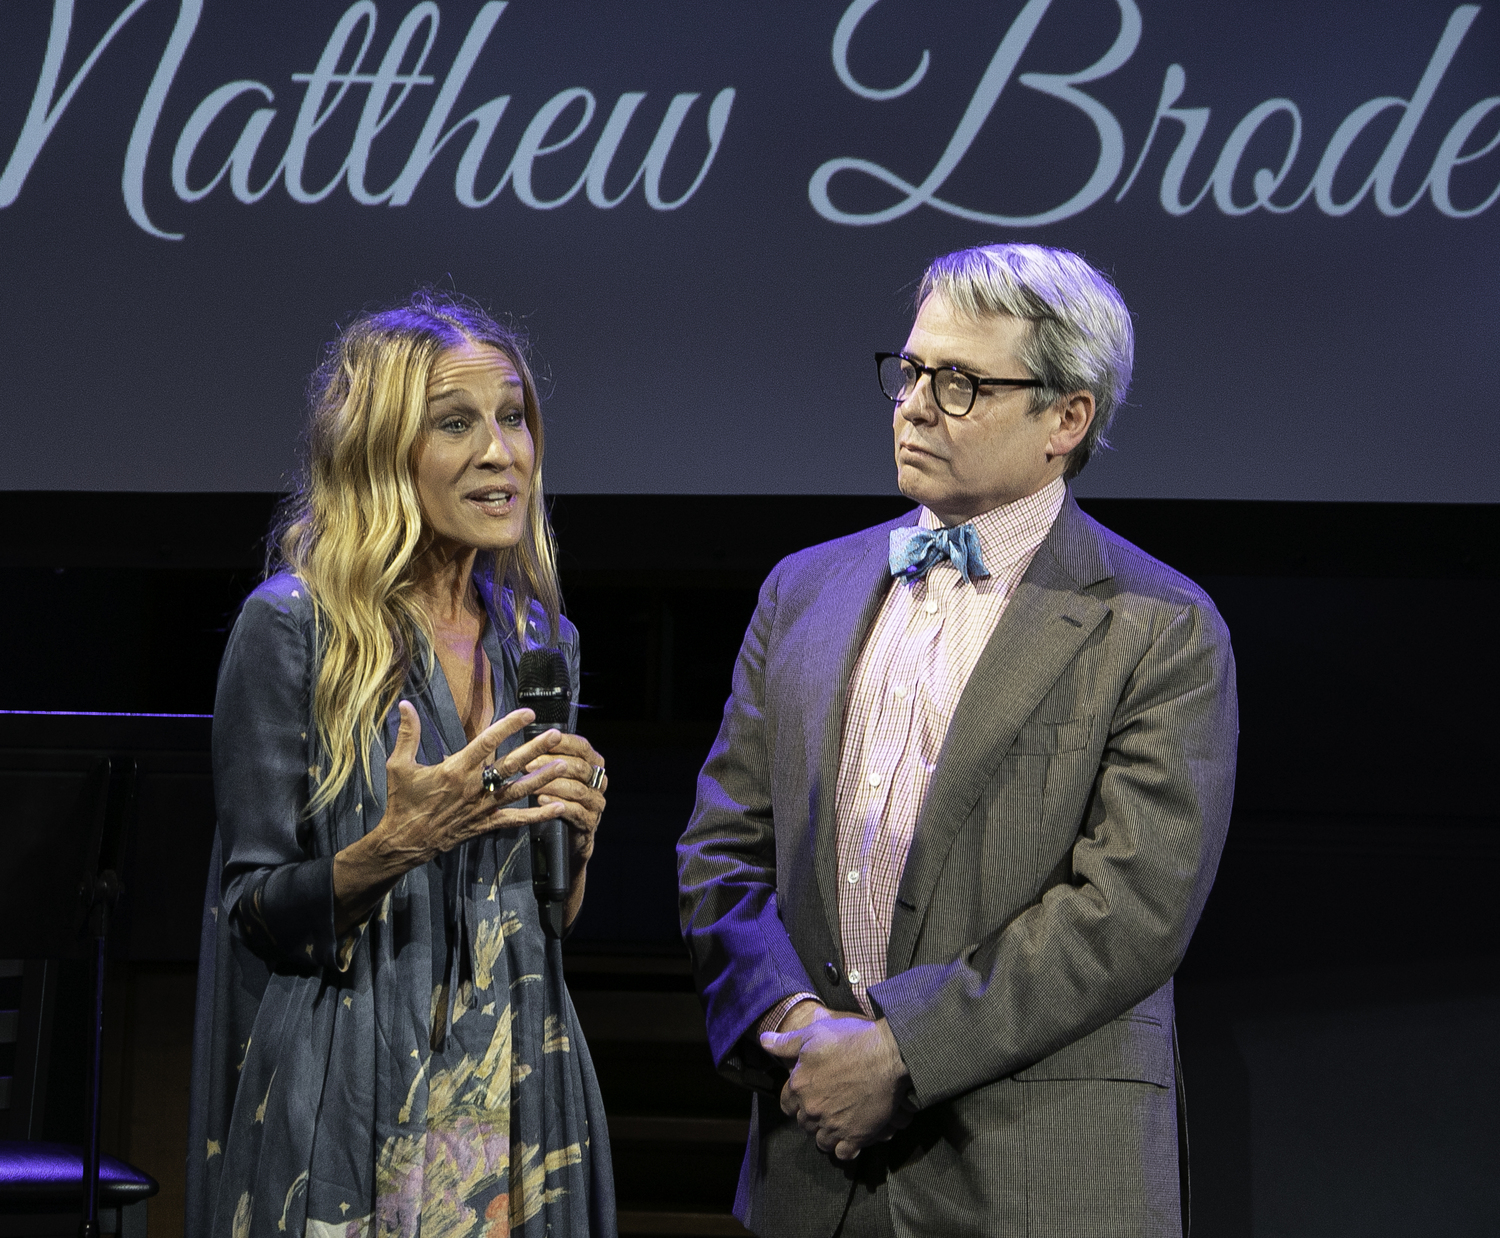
{"x":493,"y":781}
{"x":596,"y":779}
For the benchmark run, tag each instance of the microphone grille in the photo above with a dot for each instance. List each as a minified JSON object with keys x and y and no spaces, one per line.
{"x":542,"y":685}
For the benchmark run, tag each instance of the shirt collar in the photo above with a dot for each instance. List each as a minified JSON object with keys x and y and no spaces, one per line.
{"x":1012,"y":531}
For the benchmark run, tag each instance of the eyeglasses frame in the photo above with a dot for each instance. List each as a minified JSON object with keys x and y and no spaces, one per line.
{"x":932,"y":372}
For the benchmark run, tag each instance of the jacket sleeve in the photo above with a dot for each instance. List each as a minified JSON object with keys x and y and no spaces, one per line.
{"x":1116,"y":923}
{"x":726,"y":861}
{"x":278,"y":895}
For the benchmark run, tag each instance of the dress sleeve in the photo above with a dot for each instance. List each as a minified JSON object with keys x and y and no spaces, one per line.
{"x":277,"y":893}
{"x":568,"y":638}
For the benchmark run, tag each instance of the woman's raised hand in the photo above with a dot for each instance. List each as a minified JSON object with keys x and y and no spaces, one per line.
{"x":431,"y":809}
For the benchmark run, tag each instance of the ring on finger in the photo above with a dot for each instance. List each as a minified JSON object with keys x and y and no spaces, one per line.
{"x":596,"y":779}
{"x":496,"y":783}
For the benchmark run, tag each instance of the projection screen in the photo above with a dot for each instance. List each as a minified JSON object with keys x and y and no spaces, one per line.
{"x":708,"y":215}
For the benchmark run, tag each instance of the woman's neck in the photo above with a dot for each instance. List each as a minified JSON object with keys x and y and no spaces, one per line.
{"x":444,"y":578}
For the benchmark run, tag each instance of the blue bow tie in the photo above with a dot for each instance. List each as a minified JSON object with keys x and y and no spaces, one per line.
{"x":914,"y":552}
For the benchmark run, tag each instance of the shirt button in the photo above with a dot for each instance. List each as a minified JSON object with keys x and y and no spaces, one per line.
{"x":853,"y":976}
{"x":930,"y":606}
{"x":900,"y":691}
{"x":874,"y":780}
{"x":853,"y":877}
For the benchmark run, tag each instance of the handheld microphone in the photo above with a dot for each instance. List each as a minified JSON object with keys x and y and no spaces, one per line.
{"x":542,"y":685}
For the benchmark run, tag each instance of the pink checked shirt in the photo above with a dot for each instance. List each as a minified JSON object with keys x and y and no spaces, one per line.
{"x":916,"y":660}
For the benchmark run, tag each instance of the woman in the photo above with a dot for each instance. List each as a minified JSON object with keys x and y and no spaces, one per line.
{"x":384,"y":1043}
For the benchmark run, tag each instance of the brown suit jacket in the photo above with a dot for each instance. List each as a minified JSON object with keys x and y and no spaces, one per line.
{"x":1063,"y":856}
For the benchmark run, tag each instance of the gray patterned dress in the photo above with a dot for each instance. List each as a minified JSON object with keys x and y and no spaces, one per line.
{"x":423,"y":1075}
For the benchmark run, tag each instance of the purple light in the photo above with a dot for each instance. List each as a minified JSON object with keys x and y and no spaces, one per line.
{"x":29,"y":1169}
{"x":90,"y":713}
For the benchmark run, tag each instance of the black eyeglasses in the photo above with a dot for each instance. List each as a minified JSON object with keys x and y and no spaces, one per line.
{"x":954,"y":389}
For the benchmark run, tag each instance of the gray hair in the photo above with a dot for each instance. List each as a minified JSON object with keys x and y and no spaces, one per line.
{"x":1080,"y":338}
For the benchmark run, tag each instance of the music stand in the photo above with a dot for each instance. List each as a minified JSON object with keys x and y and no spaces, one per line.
{"x":68,"y":813}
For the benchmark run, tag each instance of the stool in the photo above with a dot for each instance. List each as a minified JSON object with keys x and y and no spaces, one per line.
{"x":41,"y":1192}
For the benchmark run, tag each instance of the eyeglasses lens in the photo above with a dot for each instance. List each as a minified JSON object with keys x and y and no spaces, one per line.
{"x":897,"y":378}
{"x":954,"y":391}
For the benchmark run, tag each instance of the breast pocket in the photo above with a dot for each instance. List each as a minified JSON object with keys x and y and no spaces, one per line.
{"x":1050,"y":738}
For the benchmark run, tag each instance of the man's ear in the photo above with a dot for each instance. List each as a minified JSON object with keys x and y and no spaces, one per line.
{"x":1072,"y":414}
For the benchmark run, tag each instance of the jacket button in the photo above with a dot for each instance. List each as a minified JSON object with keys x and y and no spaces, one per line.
{"x":832,"y":969}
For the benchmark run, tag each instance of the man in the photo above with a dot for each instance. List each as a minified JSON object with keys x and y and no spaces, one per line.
{"x":965,"y":808}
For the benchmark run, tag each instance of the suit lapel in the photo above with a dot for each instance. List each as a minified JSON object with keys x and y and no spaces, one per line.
{"x":1044,"y":626}
{"x":837,"y":625}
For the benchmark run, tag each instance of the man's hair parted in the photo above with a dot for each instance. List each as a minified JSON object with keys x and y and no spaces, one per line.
{"x":1079,"y":338}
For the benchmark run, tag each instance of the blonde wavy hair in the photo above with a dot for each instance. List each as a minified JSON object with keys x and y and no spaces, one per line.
{"x":353,"y":530}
